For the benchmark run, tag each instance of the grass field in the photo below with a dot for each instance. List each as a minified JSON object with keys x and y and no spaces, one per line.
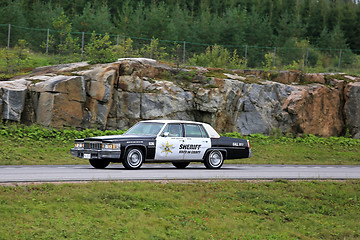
{"x":182,"y":210}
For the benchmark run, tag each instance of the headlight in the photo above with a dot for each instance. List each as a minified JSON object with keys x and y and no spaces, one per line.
{"x":79,"y":145}
{"x":111,"y":146}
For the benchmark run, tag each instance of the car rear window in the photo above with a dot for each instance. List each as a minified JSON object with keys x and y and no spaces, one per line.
{"x":192,"y":130}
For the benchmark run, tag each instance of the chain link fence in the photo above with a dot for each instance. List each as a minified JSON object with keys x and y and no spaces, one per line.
{"x":180,"y":52}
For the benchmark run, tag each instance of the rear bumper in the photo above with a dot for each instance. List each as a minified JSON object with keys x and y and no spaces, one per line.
{"x":95,"y":154}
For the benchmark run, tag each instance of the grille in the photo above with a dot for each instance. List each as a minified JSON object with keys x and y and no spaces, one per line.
{"x":92,"y":145}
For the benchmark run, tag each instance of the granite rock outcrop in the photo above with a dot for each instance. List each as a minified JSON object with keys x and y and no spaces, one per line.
{"x":119,"y":94}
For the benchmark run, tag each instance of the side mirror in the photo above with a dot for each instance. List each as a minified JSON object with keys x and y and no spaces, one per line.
{"x":165,"y":134}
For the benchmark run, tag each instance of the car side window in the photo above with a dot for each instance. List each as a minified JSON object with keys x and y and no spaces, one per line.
{"x":203,"y":132}
{"x":192,"y":130}
{"x":173,"y":130}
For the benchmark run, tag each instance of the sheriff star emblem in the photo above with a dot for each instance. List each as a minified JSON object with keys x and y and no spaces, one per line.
{"x":166,"y":148}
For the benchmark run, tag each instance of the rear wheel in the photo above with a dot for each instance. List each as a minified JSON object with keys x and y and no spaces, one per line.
{"x":181,"y":165}
{"x":133,"y":158}
{"x":99,"y":163}
{"x":214,"y":160}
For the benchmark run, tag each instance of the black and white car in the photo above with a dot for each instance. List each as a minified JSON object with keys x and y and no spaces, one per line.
{"x":175,"y":141}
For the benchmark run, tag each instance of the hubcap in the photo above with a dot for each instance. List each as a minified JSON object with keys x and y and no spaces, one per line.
{"x":215,"y":159}
{"x":134,"y":158}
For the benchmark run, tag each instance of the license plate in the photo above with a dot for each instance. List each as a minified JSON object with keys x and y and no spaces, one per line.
{"x":87,"y":155}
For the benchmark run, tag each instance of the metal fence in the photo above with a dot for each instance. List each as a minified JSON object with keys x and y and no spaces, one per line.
{"x":279,"y":58}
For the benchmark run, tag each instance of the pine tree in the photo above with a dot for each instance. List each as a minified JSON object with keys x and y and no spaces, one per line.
{"x":14,"y":14}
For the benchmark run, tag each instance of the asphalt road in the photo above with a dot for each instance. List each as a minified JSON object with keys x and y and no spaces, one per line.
{"x":59,"y":173}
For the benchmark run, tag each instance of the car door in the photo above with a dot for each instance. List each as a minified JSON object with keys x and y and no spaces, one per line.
{"x":196,"y":142}
{"x":168,"y":143}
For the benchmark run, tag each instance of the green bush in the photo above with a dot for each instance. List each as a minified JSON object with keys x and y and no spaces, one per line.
{"x":125,"y":49}
{"x":219,"y":57}
{"x":307,"y":139}
{"x":39,"y":133}
{"x":99,"y":49}
{"x":154,"y":50}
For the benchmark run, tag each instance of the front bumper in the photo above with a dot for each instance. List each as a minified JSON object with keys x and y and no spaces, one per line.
{"x":96,"y":154}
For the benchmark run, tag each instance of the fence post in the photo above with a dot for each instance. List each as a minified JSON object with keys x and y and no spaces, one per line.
{"x":8,"y":46}
{"x":246,"y":55}
{"x":184,"y":52}
{"x":340,"y":59}
{"x":151,"y":49}
{"x":47,"y":41}
{"x":82,"y":44}
{"x":274,"y":57}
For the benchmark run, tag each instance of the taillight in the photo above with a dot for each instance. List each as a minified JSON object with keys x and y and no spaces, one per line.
{"x":249,"y":144}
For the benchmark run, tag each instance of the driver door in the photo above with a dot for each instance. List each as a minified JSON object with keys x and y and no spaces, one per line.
{"x":168,"y":143}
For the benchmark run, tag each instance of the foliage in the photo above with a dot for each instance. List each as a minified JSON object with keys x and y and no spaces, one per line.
{"x":94,"y":16}
{"x":277,"y":209}
{"x":13,"y":60}
{"x":38,"y":133}
{"x":99,"y":49}
{"x":296,"y":29}
{"x":218,"y":56}
{"x":307,"y":149}
{"x":66,"y":45}
{"x":154,"y":50}
{"x":307,"y":139}
{"x":269,"y":62}
{"x":125,"y":49}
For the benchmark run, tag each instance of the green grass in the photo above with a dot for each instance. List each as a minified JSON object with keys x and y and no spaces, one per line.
{"x":34,"y":60}
{"x":35,"y":145}
{"x":187,"y":210}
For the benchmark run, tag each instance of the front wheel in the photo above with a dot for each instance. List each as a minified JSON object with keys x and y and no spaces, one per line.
{"x":181,"y":165}
{"x":99,"y":164}
{"x":133,"y":158}
{"x":214,"y":160}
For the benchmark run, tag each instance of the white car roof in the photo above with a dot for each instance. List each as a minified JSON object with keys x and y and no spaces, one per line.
{"x":209,"y":129}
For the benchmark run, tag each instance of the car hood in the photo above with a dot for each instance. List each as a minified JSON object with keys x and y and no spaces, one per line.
{"x":119,"y":137}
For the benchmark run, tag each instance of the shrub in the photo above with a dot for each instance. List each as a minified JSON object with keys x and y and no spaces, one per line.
{"x":125,"y":49}
{"x":99,"y":49}
{"x":154,"y":50}
{"x":219,"y":57}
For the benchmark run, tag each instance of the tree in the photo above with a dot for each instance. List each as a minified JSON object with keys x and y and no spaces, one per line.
{"x":12,"y":13}
{"x":94,"y":17}
{"x":232,"y":27}
{"x":316,"y":21}
{"x":259,"y":34}
{"x":288,"y":27}
{"x":99,"y":49}
{"x":41,"y":16}
{"x":154,"y":50}
{"x":332,"y":39}
{"x":65,"y":44}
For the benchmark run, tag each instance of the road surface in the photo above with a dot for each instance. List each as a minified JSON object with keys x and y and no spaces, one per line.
{"x":60,"y":173}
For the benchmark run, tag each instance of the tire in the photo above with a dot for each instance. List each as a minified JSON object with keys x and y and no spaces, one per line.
{"x":214,"y":160}
{"x":133,"y":158}
{"x":181,"y":165}
{"x":99,"y":163}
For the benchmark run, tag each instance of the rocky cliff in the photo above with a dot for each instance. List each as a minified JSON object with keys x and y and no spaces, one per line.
{"x":119,"y":94}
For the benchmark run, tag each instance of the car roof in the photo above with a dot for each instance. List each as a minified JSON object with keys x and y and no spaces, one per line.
{"x":210,"y":130}
{"x":171,"y":121}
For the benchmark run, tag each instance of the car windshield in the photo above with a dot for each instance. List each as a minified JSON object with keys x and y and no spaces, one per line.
{"x":145,"y":128}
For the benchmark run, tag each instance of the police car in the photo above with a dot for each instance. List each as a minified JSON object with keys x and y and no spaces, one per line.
{"x":175,"y":141}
